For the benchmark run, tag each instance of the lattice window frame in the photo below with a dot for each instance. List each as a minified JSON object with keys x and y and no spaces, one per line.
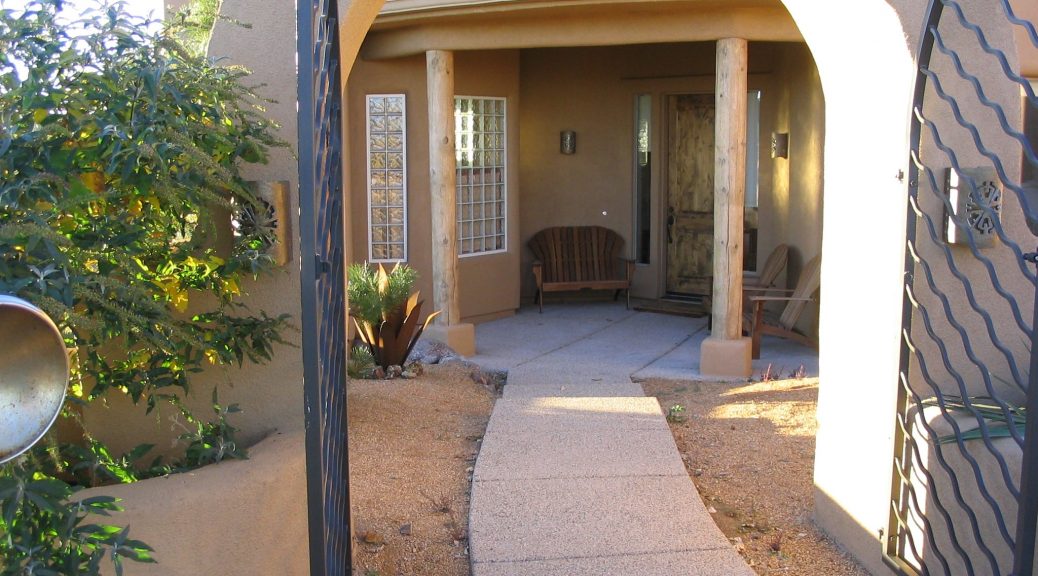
{"x":472,"y":219}
{"x":380,"y":227}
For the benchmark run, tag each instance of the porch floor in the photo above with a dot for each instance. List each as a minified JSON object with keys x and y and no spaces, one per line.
{"x":578,"y":472}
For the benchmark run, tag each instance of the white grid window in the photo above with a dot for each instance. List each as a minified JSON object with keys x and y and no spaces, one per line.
{"x":479,"y":141}
{"x":387,"y":178}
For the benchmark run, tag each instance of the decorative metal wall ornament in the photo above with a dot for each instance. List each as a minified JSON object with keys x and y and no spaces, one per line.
{"x":34,"y":373}
{"x":268,"y":220}
{"x":975,"y":203}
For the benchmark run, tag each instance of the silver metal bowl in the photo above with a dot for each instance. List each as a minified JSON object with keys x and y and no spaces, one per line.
{"x":34,"y":374}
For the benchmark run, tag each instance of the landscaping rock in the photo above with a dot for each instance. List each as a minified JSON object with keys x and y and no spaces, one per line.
{"x":431,"y":352}
{"x":394,"y":371}
{"x":493,"y":380}
{"x":405,"y":529}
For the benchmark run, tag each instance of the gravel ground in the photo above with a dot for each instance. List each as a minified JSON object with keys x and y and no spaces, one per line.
{"x":412,"y":447}
{"x":749,"y":448}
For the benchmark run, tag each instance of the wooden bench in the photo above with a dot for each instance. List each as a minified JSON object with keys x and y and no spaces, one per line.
{"x":579,"y":257}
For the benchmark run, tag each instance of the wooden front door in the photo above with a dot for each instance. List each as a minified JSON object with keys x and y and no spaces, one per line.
{"x":690,"y":194}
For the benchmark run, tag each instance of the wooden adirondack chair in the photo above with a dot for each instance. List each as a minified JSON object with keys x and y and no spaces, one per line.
{"x":760,"y":285}
{"x":773,"y":266}
{"x":759,"y":322}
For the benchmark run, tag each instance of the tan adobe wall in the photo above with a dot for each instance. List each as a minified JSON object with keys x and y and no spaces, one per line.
{"x":489,"y":284}
{"x":792,"y":212}
{"x":592,"y":90}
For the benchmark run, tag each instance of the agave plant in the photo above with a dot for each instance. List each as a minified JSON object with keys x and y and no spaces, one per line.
{"x":385,"y":311}
{"x":987,"y":408}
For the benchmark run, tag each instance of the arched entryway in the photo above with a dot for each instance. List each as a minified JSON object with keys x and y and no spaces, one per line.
{"x":865,"y":70}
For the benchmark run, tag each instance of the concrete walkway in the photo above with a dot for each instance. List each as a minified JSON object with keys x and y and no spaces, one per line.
{"x":578,"y":473}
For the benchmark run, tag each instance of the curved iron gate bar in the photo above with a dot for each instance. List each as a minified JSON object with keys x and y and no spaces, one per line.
{"x":1027,"y":515}
{"x":964,"y":338}
{"x":972,"y":128}
{"x":937,"y":499}
{"x":1025,"y":24}
{"x":902,"y":440}
{"x":954,"y":160}
{"x":987,"y":47}
{"x":978,"y":89}
{"x":322,"y":282}
{"x":917,"y":508}
{"x":956,"y":490}
{"x":908,"y":458}
{"x":968,"y":290}
{"x":937,"y":446}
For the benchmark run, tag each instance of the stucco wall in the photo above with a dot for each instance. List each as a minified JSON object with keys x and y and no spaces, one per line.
{"x":488,"y":284}
{"x":235,"y":518}
{"x":592,"y":91}
{"x":866,"y":147}
{"x":270,"y":395}
{"x":791,"y":211}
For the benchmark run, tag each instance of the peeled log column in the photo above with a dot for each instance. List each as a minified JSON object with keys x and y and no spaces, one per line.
{"x":726,"y":352}
{"x":440,"y":76}
{"x":729,"y":186}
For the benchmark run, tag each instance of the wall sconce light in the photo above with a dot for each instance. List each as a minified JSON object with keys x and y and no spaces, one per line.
{"x":568,"y":142}
{"x":780,"y":144}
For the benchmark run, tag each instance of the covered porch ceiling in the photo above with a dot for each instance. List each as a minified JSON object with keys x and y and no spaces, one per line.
{"x":409,"y":27}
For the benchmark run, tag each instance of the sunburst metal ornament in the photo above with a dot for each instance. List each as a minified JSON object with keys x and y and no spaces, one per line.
{"x":975,"y":198}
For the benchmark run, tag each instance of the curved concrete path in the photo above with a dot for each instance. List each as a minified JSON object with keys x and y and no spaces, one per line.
{"x":578,"y":473}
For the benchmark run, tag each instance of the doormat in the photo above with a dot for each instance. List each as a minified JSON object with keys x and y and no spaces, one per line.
{"x":675,"y":308}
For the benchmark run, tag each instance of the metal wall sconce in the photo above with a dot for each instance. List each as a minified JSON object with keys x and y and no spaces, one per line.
{"x":975,"y":196}
{"x":780,"y":144}
{"x":568,"y":142}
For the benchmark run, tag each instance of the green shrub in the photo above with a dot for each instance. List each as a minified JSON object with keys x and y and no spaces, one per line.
{"x":118,"y":147}
{"x":43,"y":528}
{"x":361,"y":363}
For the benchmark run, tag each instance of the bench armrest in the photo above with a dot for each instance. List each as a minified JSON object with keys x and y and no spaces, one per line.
{"x":767,"y":289}
{"x":779,"y":299}
{"x":630,"y":269}
{"x":538,"y":273}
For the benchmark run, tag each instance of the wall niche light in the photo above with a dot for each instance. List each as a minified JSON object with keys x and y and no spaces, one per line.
{"x":780,"y":144}
{"x":568,"y":142}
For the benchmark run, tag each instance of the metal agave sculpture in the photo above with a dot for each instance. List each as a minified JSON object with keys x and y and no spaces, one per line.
{"x":387,"y":324}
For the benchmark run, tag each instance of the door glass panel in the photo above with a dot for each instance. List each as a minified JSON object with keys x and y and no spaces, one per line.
{"x":642,"y":177}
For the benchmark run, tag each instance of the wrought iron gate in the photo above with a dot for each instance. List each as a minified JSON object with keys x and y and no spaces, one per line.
{"x":323,"y":285}
{"x":965,"y":474}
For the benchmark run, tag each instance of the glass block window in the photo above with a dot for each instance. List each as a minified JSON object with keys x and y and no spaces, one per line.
{"x":479,"y":141}
{"x":387,"y":178}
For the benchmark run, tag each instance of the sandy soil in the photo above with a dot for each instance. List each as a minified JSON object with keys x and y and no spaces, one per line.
{"x":412,"y":447}
{"x":749,"y":448}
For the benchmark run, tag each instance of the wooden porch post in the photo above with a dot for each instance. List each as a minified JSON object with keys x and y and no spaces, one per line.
{"x":726,"y":352}
{"x":446,"y":298}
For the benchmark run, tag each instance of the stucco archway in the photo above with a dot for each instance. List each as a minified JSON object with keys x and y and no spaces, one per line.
{"x":863,"y":52}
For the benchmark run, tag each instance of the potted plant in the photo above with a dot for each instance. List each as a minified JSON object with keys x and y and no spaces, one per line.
{"x":385,"y":311}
